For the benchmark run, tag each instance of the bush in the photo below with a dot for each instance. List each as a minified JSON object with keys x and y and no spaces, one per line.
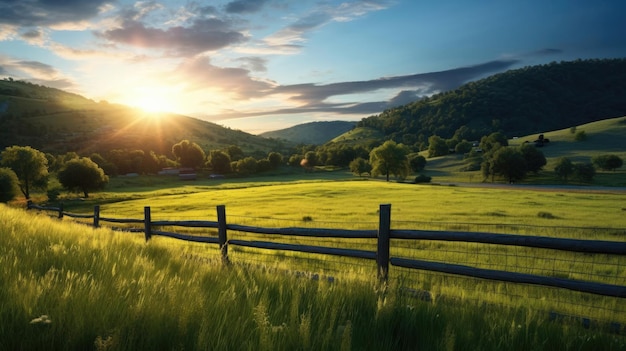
{"x":422,"y":179}
{"x":53,"y":194}
{"x":580,"y":136}
{"x":608,"y":162}
{"x":8,"y":185}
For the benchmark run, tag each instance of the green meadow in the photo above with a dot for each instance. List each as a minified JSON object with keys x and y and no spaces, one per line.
{"x":64,"y":286}
{"x":342,"y":203}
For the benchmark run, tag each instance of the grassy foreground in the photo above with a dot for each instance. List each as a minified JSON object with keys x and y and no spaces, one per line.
{"x":65,"y":287}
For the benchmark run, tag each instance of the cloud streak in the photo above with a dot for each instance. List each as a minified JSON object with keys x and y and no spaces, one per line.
{"x":312,"y":98}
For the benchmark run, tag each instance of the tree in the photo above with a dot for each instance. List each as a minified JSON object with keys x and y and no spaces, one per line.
{"x":535,"y":159}
{"x":8,"y":185}
{"x":608,"y":162}
{"x":493,"y":141}
{"x":234,"y":152}
{"x":359,"y":166}
{"x":30,"y":166}
{"x":584,"y":172}
{"x":246,"y":166}
{"x":82,"y":175}
{"x":463,"y":147}
{"x":295,"y":159}
{"x":564,"y":168}
{"x":390,"y":158}
{"x":188,"y":154}
{"x":275,"y":159}
{"x":417,"y":162}
{"x":437,"y":146}
{"x":311,"y":159}
{"x":219,"y":162}
{"x":509,"y":163}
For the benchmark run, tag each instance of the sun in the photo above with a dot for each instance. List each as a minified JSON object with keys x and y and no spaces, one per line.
{"x":152,"y":99}
{"x":154,"y":104}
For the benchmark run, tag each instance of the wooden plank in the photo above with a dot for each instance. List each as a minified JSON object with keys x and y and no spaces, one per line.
{"x":306,"y":248}
{"x":188,"y":224}
{"x":309,"y":232}
{"x":121,"y":220}
{"x":194,"y":238}
{"x":573,"y":245}
{"x":576,"y":285}
{"x":77,"y":215}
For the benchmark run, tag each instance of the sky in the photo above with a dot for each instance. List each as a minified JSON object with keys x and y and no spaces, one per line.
{"x":261,"y":65}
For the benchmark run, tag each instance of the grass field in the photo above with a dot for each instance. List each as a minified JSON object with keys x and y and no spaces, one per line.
{"x":65,"y":287}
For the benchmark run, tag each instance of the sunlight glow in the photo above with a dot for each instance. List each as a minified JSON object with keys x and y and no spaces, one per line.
{"x":153,"y":99}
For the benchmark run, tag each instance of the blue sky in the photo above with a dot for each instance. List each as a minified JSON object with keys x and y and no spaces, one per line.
{"x":259,"y":65}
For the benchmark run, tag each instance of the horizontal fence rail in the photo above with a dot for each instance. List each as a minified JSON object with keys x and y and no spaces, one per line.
{"x":384,"y":235}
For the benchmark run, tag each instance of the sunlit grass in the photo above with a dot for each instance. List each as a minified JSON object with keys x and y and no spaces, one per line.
{"x":64,"y":286}
{"x":357,"y":202}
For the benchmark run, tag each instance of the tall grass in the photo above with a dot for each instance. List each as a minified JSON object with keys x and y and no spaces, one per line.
{"x":68,"y":287}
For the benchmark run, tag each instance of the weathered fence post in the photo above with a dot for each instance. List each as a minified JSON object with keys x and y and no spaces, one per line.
{"x":221,"y":232}
{"x":60,"y":210}
{"x":382,"y":253}
{"x":147,"y":222}
{"x":96,"y":216}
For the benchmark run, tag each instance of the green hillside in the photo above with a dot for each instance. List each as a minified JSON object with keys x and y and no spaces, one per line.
{"x":603,"y":137}
{"x":518,"y":102}
{"x":55,"y":121}
{"x":315,"y":133}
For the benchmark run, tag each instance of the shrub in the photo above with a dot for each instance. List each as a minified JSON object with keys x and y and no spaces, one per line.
{"x":8,"y":185}
{"x":547,"y":215}
{"x":422,"y":179}
{"x":580,"y":136}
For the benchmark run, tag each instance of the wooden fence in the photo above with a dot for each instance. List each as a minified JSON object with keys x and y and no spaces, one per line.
{"x":384,"y":234}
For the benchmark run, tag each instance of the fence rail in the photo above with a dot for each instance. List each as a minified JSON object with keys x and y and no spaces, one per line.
{"x":384,"y":235}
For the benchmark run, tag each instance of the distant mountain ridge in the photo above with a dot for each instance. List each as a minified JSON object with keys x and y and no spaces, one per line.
{"x":524,"y":101}
{"x":316,"y":133}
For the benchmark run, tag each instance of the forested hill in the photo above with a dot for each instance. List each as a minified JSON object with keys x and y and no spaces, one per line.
{"x":312,"y":133}
{"x":518,"y":102}
{"x":55,"y":121}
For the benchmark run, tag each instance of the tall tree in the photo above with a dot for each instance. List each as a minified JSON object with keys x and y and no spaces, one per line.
{"x":509,"y":163}
{"x":219,"y":162}
{"x":30,"y":165}
{"x":82,"y":175}
{"x":275,"y":159}
{"x":417,"y":162}
{"x":437,"y":146}
{"x":535,"y":159}
{"x":564,"y":168}
{"x":188,"y":154}
{"x":390,"y":158}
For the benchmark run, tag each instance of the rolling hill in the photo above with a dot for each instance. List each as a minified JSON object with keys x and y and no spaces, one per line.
{"x":56,"y":121}
{"x":517,"y":102}
{"x":315,"y":133}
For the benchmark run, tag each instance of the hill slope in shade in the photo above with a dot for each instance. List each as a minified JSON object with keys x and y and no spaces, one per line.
{"x":518,"y":102}
{"x":311,"y":133}
{"x":55,"y":121}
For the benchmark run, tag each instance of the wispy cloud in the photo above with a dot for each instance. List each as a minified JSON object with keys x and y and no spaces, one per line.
{"x":245,"y":6}
{"x":310,"y":97}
